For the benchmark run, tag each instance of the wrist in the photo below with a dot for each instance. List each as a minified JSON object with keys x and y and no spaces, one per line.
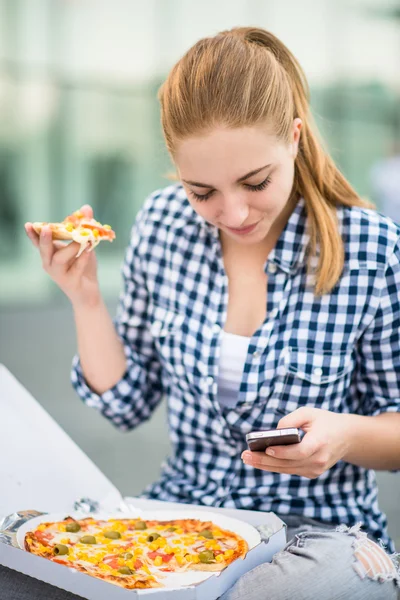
{"x":352,"y":427}
{"x":83,"y":306}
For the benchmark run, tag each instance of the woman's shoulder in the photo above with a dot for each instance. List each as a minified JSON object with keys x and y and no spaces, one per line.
{"x":166,"y":206}
{"x":369,"y":236}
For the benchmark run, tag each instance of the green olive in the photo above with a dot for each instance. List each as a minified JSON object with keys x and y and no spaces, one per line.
{"x":153,"y":536}
{"x":140,"y":525}
{"x":207,"y":533}
{"x":127,"y":556}
{"x":172,"y":528}
{"x":112,"y":535}
{"x":126,"y":571}
{"x":206,"y":556}
{"x":88,"y":539}
{"x":72,"y":527}
{"x":60,"y":549}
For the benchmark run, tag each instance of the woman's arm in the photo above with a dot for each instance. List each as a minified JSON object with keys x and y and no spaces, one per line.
{"x":117,"y":369}
{"x":370,"y":439}
{"x":100,"y":349}
{"x":373,"y":442}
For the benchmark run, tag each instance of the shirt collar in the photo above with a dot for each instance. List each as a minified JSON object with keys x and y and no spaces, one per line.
{"x":290,"y":249}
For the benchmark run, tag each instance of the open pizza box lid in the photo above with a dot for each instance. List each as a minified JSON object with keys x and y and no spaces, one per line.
{"x":42,"y":469}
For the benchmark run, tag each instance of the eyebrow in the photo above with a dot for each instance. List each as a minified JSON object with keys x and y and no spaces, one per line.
{"x":243,"y":178}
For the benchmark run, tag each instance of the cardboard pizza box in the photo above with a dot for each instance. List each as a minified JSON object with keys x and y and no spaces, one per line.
{"x":31,"y":480}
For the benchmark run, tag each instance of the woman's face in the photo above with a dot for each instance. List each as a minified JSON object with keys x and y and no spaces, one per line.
{"x":239,"y":180}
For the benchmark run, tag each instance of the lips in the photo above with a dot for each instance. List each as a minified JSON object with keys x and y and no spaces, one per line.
{"x":244,"y":230}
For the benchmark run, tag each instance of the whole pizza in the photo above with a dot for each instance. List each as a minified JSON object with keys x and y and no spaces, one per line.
{"x":134,"y":553}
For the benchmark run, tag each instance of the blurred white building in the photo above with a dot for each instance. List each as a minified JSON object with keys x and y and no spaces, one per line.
{"x":79,"y":118}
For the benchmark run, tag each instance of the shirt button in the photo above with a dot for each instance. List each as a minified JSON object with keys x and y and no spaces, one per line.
{"x":216,"y":328}
{"x":318,"y":372}
{"x":273,"y":313}
{"x":256,"y":354}
{"x":210,"y":381}
{"x":247,"y":405}
{"x":272,"y":268}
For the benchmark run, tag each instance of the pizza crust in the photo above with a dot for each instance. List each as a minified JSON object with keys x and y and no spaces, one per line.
{"x":58,"y":230}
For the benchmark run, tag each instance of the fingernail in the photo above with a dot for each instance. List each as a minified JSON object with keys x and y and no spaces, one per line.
{"x":246,"y":458}
{"x":270,"y":452}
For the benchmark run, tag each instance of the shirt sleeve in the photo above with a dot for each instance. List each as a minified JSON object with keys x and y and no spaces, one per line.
{"x":134,"y":398}
{"x":378,"y":377}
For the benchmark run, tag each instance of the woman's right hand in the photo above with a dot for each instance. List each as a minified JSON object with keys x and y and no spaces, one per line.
{"x":76,"y":277}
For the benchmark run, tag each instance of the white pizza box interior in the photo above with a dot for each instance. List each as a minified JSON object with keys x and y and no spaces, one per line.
{"x":43,"y":469}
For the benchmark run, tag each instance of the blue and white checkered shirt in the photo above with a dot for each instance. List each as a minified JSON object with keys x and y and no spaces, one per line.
{"x":339,"y":352}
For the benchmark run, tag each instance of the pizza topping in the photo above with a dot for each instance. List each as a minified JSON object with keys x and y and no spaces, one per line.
{"x":207,"y":556}
{"x":60,"y":549}
{"x":140,"y":525}
{"x":152,"y":537}
{"x":112,"y":535}
{"x":43,"y":538}
{"x":88,"y":539}
{"x":126,"y":571}
{"x":127,"y":556}
{"x":72,"y":527}
{"x":160,"y":557}
{"x":206,"y":533}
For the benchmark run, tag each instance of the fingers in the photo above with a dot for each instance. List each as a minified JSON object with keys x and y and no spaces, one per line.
{"x":65,"y":255}
{"x":263,"y":460}
{"x":80,"y":264}
{"x":308,"y":446}
{"x":57,"y":255}
{"x":87,"y":211}
{"x":46,"y":247}
{"x":32,"y":235}
{"x":260,"y":460}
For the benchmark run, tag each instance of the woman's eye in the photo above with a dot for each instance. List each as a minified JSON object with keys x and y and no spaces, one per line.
{"x":259,"y":186}
{"x":253,"y":188}
{"x":201,"y":197}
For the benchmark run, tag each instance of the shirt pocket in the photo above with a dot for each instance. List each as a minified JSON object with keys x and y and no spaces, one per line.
{"x":317,"y":378}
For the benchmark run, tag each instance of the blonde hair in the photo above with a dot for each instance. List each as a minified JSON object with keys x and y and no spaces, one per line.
{"x":245,"y":77}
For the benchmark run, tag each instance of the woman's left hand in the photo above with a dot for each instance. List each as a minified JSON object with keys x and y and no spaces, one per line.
{"x":326,"y":441}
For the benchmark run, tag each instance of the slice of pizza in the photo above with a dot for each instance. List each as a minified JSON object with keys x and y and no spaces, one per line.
{"x":194,"y":545}
{"x":78,"y":228}
{"x":94,"y":547}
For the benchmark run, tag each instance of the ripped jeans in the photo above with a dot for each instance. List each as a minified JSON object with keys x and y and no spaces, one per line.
{"x":324,"y":563}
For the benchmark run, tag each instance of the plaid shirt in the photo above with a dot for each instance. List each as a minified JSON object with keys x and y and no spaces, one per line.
{"x":339,"y":352}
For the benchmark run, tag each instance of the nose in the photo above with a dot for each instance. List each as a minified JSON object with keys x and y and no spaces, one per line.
{"x":235,"y":212}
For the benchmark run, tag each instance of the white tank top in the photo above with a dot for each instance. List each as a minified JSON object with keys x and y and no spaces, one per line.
{"x":233,"y":355}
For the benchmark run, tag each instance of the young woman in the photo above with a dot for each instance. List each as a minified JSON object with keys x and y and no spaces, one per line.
{"x":260,"y":292}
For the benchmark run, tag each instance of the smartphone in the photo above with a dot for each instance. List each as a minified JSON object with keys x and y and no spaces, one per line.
{"x":258,"y":441}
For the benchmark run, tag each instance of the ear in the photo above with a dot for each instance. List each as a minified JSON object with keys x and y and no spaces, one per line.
{"x":297,"y":125}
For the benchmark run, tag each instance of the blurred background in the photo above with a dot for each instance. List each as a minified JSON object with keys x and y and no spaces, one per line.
{"x":79,"y":123}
